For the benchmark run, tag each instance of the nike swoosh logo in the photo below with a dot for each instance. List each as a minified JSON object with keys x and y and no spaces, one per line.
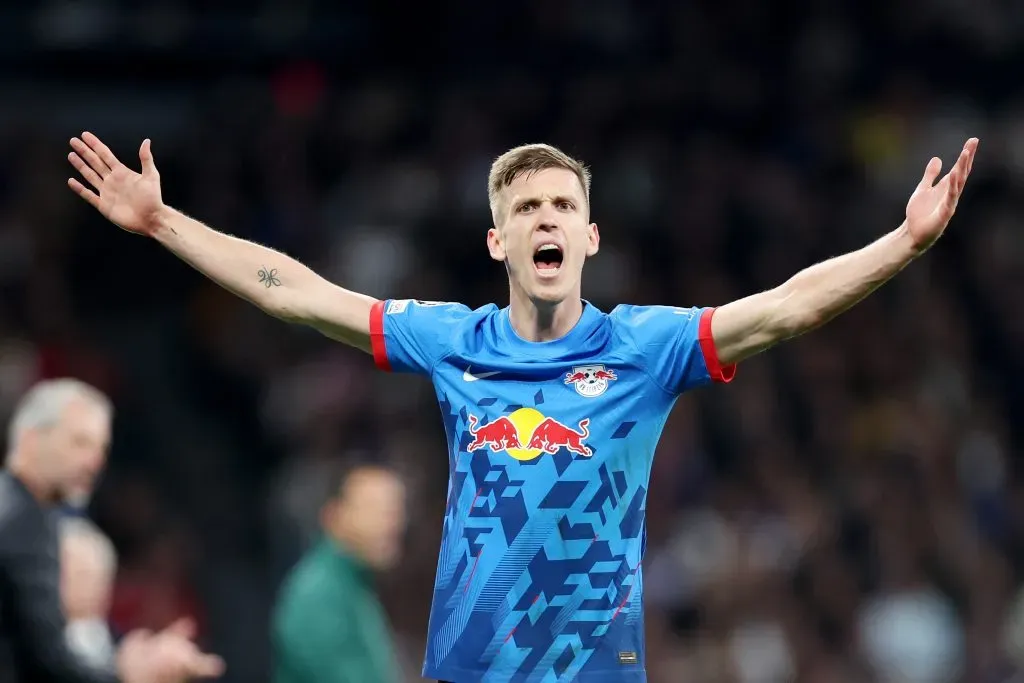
{"x":470,"y":377}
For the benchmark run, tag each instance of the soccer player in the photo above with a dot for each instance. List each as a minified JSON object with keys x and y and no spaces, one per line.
{"x":552,"y":407}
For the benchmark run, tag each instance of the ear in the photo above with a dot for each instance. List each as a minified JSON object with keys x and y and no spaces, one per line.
{"x":495,"y":244}
{"x":593,"y":239}
{"x":28,"y":441}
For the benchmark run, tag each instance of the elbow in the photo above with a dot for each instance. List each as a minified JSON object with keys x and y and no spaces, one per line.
{"x":799,"y":322}
{"x":283,"y":305}
{"x":287,"y":314}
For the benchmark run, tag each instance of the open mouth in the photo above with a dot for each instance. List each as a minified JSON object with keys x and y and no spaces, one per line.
{"x":548,"y":259}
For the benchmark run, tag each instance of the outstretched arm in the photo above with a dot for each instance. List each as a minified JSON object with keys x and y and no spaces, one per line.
{"x":816,"y":295}
{"x":279,"y":285}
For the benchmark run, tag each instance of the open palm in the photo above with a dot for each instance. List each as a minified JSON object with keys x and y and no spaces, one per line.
{"x":128,"y":199}
{"x":169,"y":656}
{"x":932,"y":204}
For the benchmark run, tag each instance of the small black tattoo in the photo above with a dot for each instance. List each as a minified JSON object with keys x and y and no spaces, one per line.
{"x":269,"y":277}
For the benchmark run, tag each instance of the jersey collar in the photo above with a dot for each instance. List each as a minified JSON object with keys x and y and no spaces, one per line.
{"x":571,"y":343}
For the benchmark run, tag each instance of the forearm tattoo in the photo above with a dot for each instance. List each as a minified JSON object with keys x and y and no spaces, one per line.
{"x":268,"y":277}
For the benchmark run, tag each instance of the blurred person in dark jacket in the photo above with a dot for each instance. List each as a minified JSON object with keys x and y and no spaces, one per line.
{"x":88,"y":569}
{"x":329,"y":625}
{"x":57,"y":445}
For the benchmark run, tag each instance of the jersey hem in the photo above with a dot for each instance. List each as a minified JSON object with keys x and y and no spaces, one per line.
{"x":377,"y":344}
{"x":450,"y":675}
{"x":718,"y":372}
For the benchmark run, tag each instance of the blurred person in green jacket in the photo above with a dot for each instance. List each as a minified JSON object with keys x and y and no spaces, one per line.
{"x":328,"y":624}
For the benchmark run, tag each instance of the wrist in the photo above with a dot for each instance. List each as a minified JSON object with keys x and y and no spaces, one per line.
{"x":907,"y":244}
{"x":162,"y":224}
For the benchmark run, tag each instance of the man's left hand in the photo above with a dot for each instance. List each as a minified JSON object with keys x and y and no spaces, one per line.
{"x":932,"y":205}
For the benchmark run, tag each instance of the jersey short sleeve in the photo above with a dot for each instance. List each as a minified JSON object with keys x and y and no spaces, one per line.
{"x":675,"y":345}
{"x":407,"y":335}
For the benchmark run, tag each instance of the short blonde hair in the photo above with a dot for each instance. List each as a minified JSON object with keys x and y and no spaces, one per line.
{"x":527,"y":159}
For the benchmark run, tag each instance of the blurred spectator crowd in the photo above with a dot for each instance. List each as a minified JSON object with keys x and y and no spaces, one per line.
{"x":849,"y":510}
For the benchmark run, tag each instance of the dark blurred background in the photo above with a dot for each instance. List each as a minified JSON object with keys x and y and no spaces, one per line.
{"x":849,"y":510}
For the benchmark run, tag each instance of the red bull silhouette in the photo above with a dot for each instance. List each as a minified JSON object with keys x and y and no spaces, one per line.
{"x":498,"y":435}
{"x":551,"y":435}
{"x":590,"y":380}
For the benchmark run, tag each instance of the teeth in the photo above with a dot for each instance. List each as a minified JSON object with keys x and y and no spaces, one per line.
{"x":547,"y":247}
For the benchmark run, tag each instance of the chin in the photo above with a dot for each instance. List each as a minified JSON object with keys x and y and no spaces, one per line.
{"x":551,"y":290}
{"x":386,"y":560}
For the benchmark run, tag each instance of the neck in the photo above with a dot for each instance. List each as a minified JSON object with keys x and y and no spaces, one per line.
{"x":37,"y":488}
{"x":339,"y":541}
{"x":543,"y":322}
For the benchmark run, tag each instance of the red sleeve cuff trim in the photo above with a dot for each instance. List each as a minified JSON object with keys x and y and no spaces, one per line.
{"x":719,"y":373}
{"x":380,"y":351}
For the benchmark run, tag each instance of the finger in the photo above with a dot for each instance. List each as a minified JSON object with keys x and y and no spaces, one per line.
{"x":952,"y":193}
{"x":184,"y":628}
{"x":92,"y":176}
{"x":138,"y":634}
{"x":207,"y":666}
{"x":146,"y":157}
{"x":84,"y":192}
{"x":931,"y":172}
{"x":102,"y":150}
{"x":972,"y":146}
{"x":970,"y":149}
{"x":86,"y":153}
{"x":958,"y":175}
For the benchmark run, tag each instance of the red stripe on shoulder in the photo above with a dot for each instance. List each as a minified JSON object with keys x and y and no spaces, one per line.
{"x":718,"y":372}
{"x":380,"y":351}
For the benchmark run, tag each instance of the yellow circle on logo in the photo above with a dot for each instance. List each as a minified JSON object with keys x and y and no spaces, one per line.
{"x":526,"y":421}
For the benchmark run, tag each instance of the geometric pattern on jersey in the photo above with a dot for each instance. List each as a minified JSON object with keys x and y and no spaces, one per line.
{"x":534,"y":585}
{"x":550,"y":447}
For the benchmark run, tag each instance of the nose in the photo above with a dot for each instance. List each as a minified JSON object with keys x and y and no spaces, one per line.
{"x":547,"y":219}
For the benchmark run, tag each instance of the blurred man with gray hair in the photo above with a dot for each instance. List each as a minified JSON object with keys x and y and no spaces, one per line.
{"x":88,"y":569}
{"x":57,"y":445}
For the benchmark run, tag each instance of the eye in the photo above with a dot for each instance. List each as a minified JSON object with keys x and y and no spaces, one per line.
{"x":565,"y":206}
{"x":525,"y":208}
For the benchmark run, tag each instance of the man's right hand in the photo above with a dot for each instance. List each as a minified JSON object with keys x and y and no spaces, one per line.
{"x":279,"y":285}
{"x":169,"y":656}
{"x":130,"y":200}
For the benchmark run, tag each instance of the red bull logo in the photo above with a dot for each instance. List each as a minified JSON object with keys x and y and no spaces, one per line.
{"x":539,"y":433}
{"x":590,"y":380}
{"x":499,"y":435}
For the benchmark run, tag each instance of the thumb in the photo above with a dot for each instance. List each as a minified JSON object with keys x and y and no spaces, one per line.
{"x":137,"y":636}
{"x":207,"y":666}
{"x":146,"y":157}
{"x":183,"y":628}
{"x":931,"y":172}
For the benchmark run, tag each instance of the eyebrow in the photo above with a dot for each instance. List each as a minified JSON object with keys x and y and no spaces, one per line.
{"x":558,"y":199}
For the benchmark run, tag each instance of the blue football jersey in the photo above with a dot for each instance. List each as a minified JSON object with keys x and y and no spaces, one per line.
{"x":550,"y":449}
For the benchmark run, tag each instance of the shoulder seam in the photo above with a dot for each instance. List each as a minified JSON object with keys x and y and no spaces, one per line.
{"x":642,"y":365}
{"x":450,"y":351}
